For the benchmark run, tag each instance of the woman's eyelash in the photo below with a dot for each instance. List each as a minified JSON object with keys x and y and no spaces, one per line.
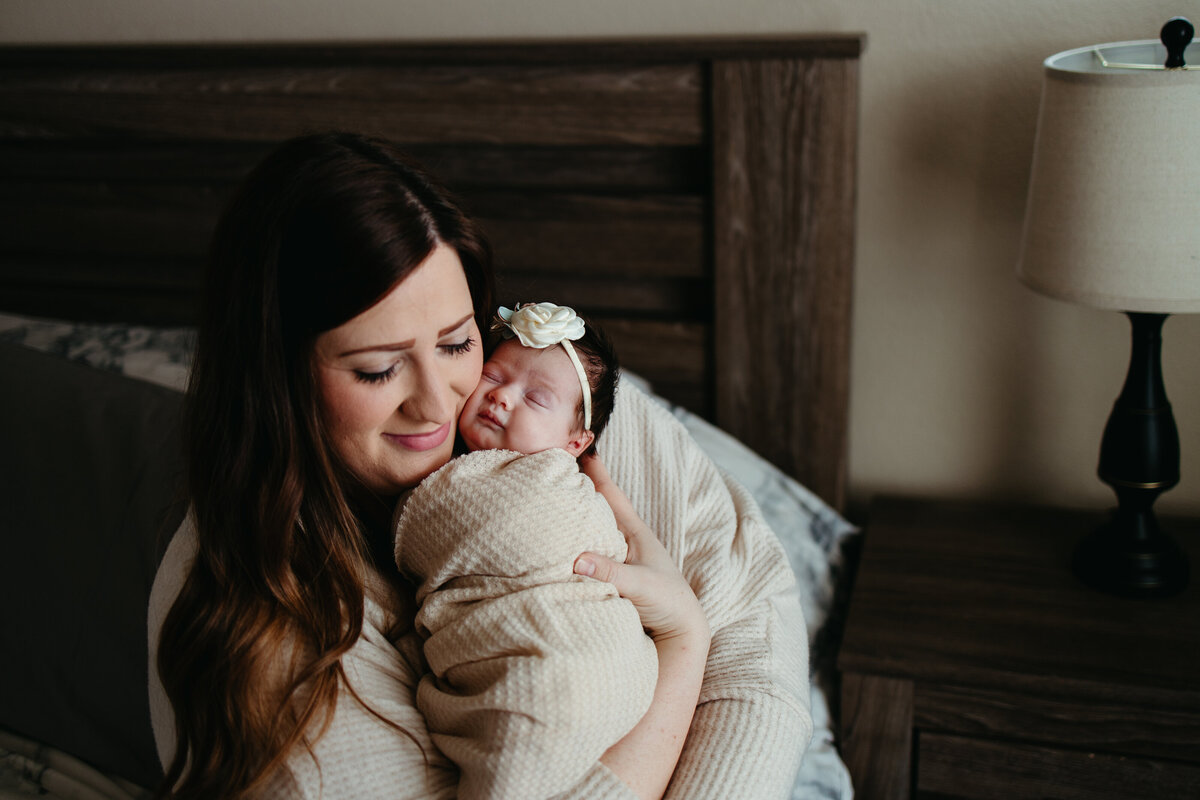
{"x":375,"y":377}
{"x":459,"y":348}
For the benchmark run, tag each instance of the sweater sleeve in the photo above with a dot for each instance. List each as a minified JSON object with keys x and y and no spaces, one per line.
{"x":752,"y":723}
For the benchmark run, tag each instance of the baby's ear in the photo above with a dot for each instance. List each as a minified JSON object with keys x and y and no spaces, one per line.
{"x":579,"y":442}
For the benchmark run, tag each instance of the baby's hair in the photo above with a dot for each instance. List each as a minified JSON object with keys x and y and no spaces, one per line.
{"x":599,"y":360}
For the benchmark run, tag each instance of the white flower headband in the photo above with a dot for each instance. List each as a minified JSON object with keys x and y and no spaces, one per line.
{"x":543,"y":325}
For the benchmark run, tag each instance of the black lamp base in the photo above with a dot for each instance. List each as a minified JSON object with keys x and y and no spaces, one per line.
{"x":1133,"y":558}
{"x":1139,"y":459}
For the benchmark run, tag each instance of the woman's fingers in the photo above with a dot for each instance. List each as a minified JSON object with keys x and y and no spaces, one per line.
{"x":649,"y":577}
{"x":665,"y":603}
{"x":594,"y":565}
{"x":643,"y":585}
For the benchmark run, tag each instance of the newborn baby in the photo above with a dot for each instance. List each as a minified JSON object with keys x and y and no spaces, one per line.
{"x":535,"y":671}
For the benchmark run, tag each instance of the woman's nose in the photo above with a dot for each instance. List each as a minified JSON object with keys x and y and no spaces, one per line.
{"x":432,"y":399}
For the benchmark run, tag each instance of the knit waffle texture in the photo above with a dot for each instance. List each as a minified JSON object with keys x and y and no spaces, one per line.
{"x":535,"y":671}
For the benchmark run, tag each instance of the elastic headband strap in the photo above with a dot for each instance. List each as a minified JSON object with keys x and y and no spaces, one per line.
{"x":583,"y":384}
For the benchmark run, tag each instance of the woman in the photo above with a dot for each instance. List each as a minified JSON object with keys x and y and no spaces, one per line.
{"x":340,"y":339}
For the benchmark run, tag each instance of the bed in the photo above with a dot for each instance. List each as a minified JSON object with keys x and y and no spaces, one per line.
{"x":695,"y":195}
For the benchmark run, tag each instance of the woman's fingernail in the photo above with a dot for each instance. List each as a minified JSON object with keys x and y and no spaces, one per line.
{"x":585,"y":566}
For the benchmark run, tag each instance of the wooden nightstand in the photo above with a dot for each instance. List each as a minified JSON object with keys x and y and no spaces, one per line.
{"x":975,"y":665}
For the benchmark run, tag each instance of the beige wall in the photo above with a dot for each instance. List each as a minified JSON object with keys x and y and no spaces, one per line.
{"x":965,"y":383}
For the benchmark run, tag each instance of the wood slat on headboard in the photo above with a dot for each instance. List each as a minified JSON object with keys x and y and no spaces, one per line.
{"x":694,"y":195}
{"x":763,"y":231}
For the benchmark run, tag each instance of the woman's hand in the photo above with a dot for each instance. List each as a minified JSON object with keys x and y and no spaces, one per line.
{"x":645,"y":758}
{"x":649,"y":578}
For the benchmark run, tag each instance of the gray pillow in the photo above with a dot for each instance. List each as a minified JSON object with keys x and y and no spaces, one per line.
{"x":91,"y":481}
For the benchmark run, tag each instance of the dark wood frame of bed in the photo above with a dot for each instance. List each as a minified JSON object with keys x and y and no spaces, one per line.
{"x":696,"y":195}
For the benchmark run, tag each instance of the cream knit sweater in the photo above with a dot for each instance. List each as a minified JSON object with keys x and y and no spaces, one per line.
{"x":751,"y":726}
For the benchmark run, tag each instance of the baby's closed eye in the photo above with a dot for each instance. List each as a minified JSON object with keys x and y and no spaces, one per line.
{"x":540,"y":398}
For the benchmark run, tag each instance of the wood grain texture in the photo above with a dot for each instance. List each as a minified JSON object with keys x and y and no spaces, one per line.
{"x":681,"y":300}
{"x":1024,"y":679}
{"x":876,"y":735}
{"x":1105,"y":722}
{"x":784,"y":174}
{"x":983,"y":595}
{"x":581,"y":50}
{"x":597,"y":235}
{"x":589,"y":104}
{"x":951,"y":766}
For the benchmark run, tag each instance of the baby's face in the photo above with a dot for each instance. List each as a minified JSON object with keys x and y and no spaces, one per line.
{"x":527,"y":400}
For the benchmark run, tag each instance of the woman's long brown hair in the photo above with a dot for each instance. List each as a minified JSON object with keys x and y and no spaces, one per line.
{"x":249,"y":654}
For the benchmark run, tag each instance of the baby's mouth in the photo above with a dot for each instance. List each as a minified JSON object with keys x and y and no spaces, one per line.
{"x":487,"y":417}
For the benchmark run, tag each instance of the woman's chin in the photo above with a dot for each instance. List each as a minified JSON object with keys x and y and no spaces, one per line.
{"x":416,"y":468}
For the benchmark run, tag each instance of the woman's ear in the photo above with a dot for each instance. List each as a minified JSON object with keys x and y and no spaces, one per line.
{"x":580,"y":442}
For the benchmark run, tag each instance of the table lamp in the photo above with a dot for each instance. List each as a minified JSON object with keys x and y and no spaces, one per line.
{"x":1113,"y":222}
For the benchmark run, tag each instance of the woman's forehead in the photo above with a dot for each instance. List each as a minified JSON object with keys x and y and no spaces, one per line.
{"x":433,"y":301}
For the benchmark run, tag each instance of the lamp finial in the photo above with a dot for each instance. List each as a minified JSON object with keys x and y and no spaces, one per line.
{"x":1176,"y":35}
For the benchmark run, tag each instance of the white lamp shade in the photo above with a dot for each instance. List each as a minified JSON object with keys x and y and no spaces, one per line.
{"x":1113,"y":216}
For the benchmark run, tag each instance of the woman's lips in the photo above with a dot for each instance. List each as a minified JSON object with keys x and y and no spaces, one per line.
{"x":420,"y":441}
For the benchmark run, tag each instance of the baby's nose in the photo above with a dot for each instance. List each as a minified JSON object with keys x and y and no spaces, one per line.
{"x":499,"y":396}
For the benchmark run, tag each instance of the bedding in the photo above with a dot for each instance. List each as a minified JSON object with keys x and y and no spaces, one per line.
{"x":90,"y":478}
{"x":55,"y":390}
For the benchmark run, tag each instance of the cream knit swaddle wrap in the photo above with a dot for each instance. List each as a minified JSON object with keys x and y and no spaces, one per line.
{"x":536,"y":671}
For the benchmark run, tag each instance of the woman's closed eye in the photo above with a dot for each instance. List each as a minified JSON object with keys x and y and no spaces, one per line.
{"x":367,"y":376}
{"x":459,"y":348}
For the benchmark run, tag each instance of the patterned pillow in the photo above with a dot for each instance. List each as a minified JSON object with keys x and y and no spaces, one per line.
{"x":157,"y":355}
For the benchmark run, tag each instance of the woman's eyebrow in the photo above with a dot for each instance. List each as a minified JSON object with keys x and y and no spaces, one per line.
{"x":407,"y":343}
{"x":455,"y":326}
{"x":382,"y":348}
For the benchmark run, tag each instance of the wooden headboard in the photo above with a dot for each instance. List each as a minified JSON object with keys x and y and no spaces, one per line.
{"x":696,"y":196}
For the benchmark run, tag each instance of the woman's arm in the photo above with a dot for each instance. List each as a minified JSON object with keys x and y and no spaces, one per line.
{"x":645,"y":758}
{"x":752,"y":723}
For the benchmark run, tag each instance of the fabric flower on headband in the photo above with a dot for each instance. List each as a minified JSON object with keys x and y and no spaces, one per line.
{"x":542,"y":325}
